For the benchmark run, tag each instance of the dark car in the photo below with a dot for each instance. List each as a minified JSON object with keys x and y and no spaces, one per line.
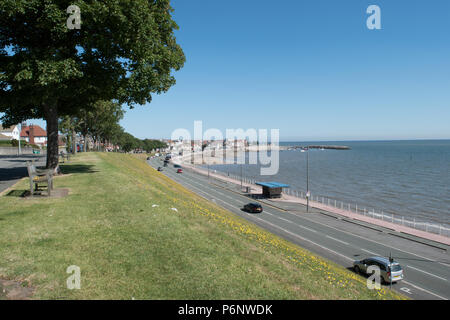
{"x":253,"y":208}
{"x":180,"y":171}
{"x":165,"y":164}
{"x":176,"y":166}
{"x":160,"y":169}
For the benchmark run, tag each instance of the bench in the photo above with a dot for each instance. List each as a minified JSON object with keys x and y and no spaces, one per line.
{"x":39,"y":176}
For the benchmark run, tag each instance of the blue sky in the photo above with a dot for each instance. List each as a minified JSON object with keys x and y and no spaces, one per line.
{"x":310,"y":68}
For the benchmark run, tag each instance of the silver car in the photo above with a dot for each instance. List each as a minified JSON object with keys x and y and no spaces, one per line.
{"x":389,"y":271}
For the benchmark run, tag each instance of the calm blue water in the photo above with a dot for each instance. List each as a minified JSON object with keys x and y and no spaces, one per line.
{"x":409,"y":178}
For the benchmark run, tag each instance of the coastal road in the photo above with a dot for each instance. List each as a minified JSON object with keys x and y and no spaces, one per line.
{"x":426,"y":267}
{"x":14,"y":168}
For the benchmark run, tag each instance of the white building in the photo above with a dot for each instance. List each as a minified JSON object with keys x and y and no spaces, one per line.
{"x":12,"y":132}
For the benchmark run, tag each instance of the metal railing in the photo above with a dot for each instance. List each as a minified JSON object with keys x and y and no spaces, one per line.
{"x":415,"y":223}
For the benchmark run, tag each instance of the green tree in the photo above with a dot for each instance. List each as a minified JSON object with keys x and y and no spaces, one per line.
{"x":127,"y":142}
{"x":67,"y":127}
{"x":125,"y":50}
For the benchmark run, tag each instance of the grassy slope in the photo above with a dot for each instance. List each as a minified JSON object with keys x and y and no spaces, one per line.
{"x":126,"y":248}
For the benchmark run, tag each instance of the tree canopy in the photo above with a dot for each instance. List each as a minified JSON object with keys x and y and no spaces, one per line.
{"x":125,"y":51}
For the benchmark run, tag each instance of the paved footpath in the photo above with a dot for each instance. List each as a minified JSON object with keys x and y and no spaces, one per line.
{"x":14,"y":168}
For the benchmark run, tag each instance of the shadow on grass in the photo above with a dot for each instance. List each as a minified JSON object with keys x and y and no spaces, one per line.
{"x":77,"y":168}
{"x":18,"y":193}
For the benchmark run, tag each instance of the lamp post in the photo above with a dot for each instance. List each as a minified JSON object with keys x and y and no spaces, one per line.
{"x":307,"y":180}
{"x":241,"y":177}
{"x":390,"y":269}
{"x":20,"y":132}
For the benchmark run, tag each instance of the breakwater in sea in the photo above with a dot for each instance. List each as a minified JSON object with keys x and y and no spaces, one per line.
{"x":321,"y":147}
{"x":294,"y":147}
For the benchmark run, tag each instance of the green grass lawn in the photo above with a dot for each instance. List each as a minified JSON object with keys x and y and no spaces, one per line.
{"x":126,"y":248}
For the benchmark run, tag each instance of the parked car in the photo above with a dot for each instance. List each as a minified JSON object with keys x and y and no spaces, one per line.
{"x":180,"y":170}
{"x":253,"y":208}
{"x":389,"y":271}
{"x":160,"y":169}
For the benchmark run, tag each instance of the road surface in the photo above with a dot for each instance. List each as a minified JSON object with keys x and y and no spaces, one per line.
{"x":14,"y":168}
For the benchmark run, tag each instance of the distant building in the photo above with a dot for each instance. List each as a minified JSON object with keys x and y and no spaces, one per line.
{"x":236,"y":144}
{"x":34,"y":134}
{"x":9,"y":133}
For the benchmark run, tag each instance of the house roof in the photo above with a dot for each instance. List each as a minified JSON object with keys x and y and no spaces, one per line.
{"x":3,"y":137}
{"x":38,"y":131}
{"x":6,"y":129}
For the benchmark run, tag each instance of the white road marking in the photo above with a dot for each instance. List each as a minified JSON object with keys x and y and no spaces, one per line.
{"x":430,"y":274}
{"x":304,"y":239}
{"x":289,"y":221}
{"x":374,"y":253}
{"x":296,"y":224}
{"x":424,"y":290}
{"x":364,"y":238}
{"x":346,"y":243}
{"x":300,"y":226}
{"x":407,"y":290}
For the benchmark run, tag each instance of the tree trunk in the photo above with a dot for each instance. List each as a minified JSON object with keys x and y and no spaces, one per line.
{"x":74,"y":142}
{"x":51,"y":115}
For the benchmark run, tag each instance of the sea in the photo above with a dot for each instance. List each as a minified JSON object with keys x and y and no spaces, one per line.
{"x":404,"y":178}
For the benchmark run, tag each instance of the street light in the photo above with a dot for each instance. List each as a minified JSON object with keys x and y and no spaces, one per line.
{"x":241,"y":177}
{"x":20,"y":132}
{"x":390,"y":269}
{"x":307,"y":180}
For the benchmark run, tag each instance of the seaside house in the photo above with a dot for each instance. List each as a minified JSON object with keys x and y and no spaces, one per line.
{"x":34,"y":134}
{"x":9,"y":133}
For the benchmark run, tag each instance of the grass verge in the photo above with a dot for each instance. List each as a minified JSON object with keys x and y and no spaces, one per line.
{"x":119,"y":226}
